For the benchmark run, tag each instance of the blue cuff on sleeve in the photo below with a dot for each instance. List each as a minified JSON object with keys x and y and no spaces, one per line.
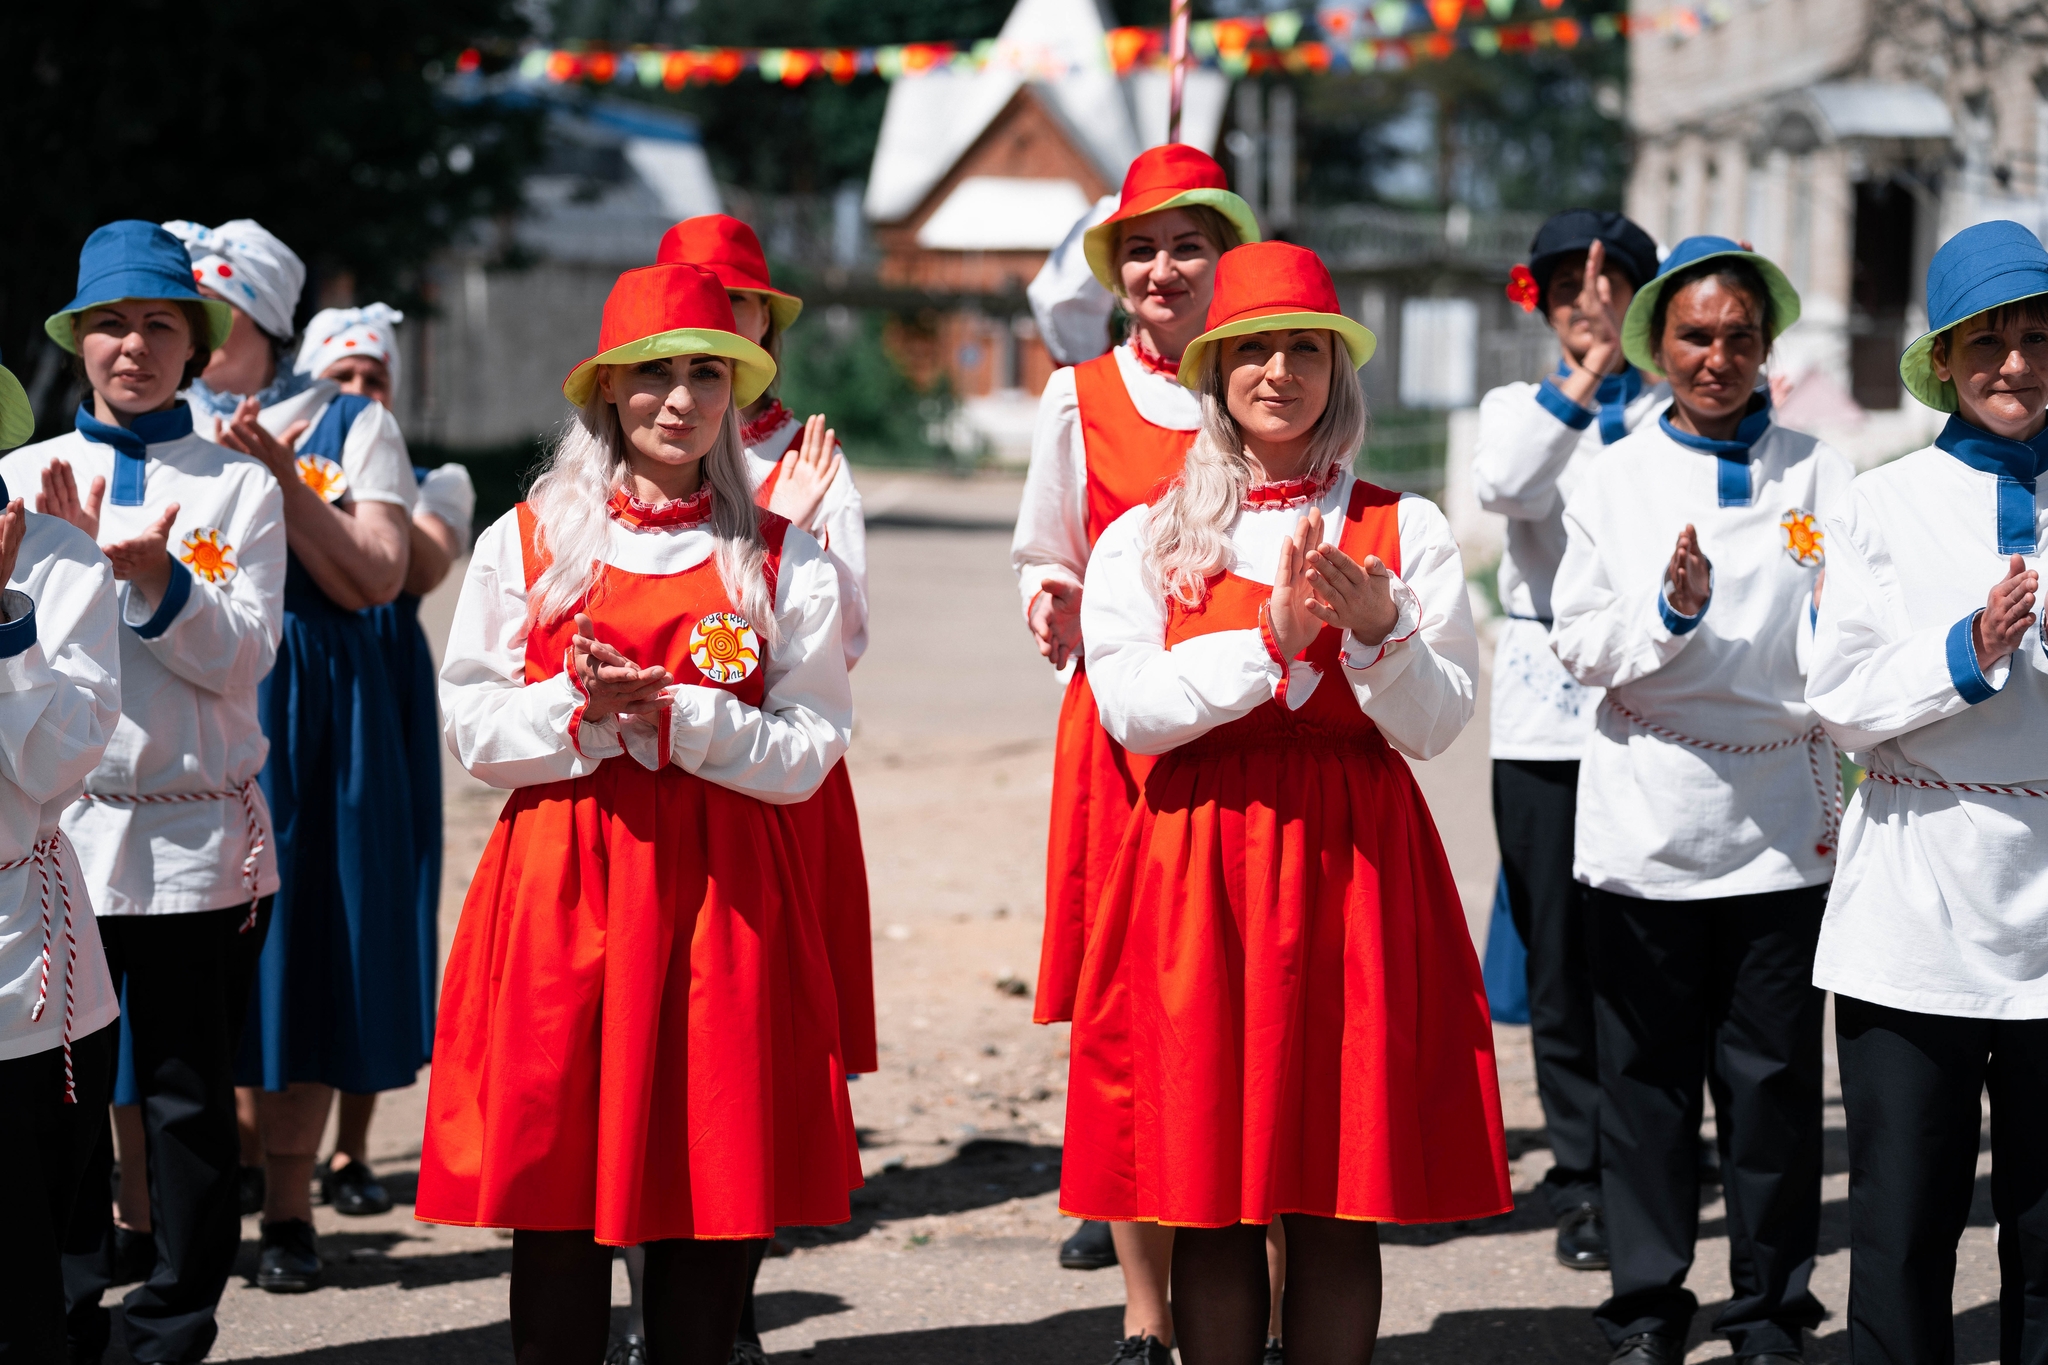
{"x":1552,"y":400}
{"x":1676,"y":624}
{"x":1962,"y":662}
{"x":17,"y":635}
{"x":175,"y":593}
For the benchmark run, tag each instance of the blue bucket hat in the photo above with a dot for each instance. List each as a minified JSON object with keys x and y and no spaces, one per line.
{"x":131,"y":259}
{"x":1636,"y":342}
{"x":1978,"y":269}
{"x":17,"y":418}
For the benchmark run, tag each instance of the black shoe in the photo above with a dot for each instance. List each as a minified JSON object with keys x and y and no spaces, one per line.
{"x":627,"y":1350}
{"x":134,"y":1255}
{"x":748,"y":1353}
{"x":1091,"y":1248}
{"x":253,"y":1189}
{"x":290,"y":1261}
{"x":1582,"y":1239}
{"x":1141,"y":1351}
{"x":353,"y":1190}
{"x":1274,"y":1355}
{"x":1648,"y":1349}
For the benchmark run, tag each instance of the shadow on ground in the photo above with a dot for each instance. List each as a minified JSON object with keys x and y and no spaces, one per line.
{"x":981,"y":1173}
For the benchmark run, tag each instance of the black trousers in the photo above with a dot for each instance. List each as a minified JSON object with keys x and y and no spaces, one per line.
{"x":1534,"y":806}
{"x":1913,"y":1086}
{"x":184,"y":983}
{"x":1720,"y":990}
{"x":45,"y":1147}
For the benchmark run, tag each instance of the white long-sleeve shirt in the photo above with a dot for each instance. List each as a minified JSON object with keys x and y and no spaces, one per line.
{"x":1660,"y":819}
{"x":845,"y":529}
{"x":190,"y":667}
{"x":1051,"y":540}
{"x":373,"y":455}
{"x":60,"y":699}
{"x":1941,"y":902}
{"x":1417,"y":686}
{"x":1534,"y":447}
{"x":511,"y":734}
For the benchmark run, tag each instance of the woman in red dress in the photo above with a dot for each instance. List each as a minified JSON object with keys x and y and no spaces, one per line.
{"x":639,"y":1037}
{"x":1279,"y":1013}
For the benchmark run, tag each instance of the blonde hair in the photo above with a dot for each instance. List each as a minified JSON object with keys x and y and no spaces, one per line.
{"x":588,"y":465}
{"x":1187,"y":538}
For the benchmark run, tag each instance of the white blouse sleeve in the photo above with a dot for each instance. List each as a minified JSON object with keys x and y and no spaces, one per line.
{"x":781,"y":750}
{"x":1152,"y":698}
{"x":1419,"y":685}
{"x":1609,"y":633}
{"x":447,"y":495}
{"x":1052,"y":523}
{"x":1523,"y":446}
{"x":844,"y":523}
{"x":60,"y":664}
{"x":222,"y":637}
{"x":378,"y":465}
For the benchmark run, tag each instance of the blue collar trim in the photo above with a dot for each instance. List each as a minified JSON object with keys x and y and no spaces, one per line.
{"x":131,"y":446}
{"x":1615,"y":393}
{"x":288,"y":384}
{"x":2016,"y":463}
{"x":1733,"y":481}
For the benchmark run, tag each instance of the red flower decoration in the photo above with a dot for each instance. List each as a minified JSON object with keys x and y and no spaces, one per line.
{"x":1522,"y":288}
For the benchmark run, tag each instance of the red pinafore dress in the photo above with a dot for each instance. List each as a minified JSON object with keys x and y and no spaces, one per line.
{"x":830,"y":825}
{"x":1094,"y":782}
{"x":638,"y":1031}
{"x":1280,"y":1010}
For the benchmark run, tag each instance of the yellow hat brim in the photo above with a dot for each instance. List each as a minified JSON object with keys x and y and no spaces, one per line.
{"x":1098,"y":244}
{"x":753,"y":369}
{"x":17,"y":418}
{"x":1358,"y":339}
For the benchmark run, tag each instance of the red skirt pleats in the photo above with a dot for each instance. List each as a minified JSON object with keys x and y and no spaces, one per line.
{"x":1280,"y":1009}
{"x":829,"y":827}
{"x":638,"y":1029}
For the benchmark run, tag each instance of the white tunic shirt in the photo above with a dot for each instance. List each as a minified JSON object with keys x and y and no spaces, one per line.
{"x":189,"y":672}
{"x":60,"y":699}
{"x":1051,"y":539}
{"x":373,"y":455}
{"x":1658,"y":818}
{"x":511,"y":734}
{"x":845,"y":530}
{"x":1941,"y":903}
{"x":1534,"y":448}
{"x":1417,"y":686}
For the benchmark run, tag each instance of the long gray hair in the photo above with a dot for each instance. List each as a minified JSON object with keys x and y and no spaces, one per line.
{"x":1188,"y":536}
{"x":588,"y":464}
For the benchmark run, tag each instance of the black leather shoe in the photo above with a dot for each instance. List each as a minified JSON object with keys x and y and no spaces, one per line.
{"x":1582,"y":1239}
{"x":747,"y":1353}
{"x":1141,"y":1351}
{"x":629,"y":1350}
{"x":1274,"y":1354}
{"x":353,"y":1190}
{"x":290,"y":1261}
{"x":252,"y":1189}
{"x":1091,"y":1248}
{"x":1646,"y":1349}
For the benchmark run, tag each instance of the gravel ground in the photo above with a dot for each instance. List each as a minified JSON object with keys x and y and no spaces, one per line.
{"x":950,"y":1254}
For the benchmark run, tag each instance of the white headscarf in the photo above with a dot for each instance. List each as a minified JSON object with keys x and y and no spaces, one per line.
{"x":333,"y":333}
{"x":1069,"y":304}
{"x":244,"y":264}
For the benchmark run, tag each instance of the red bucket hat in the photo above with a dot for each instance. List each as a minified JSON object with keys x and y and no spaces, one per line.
{"x":1162,"y":178}
{"x":1270,"y":286}
{"x":728,"y":249}
{"x":659,"y":311}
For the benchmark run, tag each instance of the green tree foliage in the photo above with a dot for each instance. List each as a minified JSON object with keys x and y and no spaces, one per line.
{"x":839,"y":366}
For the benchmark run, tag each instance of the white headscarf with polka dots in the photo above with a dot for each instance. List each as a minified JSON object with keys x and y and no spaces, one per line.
{"x":334,"y":333}
{"x":243,"y":263}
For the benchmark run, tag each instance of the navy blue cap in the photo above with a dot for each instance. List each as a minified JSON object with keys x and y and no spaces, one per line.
{"x":1628,"y":246}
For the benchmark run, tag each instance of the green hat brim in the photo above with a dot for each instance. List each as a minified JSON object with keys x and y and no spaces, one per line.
{"x":753,"y":368}
{"x":1916,"y":366}
{"x":62,"y":328}
{"x":1635,"y":326}
{"x":17,"y":418}
{"x":1358,"y":339}
{"x":1098,"y":244}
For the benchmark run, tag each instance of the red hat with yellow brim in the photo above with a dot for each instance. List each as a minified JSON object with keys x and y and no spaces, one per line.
{"x":1272,"y":287}
{"x":660,"y":311}
{"x":728,"y":249}
{"x":1170,"y":177}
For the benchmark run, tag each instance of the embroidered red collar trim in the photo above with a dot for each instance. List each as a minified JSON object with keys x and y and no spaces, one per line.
{"x":767,"y":424}
{"x":1151,"y":359}
{"x":691,"y":511}
{"x":1274,"y":497}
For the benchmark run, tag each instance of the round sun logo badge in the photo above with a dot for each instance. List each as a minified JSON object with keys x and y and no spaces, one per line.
{"x":1802,"y":538}
{"x":208,"y":554}
{"x":323,"y":476}
{"x":724,"y":647}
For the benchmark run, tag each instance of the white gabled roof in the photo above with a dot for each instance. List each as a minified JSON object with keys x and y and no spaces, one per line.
{"x":1004,"y":213}
{"x":1901,"y":109}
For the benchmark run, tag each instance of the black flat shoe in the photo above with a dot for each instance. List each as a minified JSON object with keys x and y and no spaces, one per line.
{"x":1091,"y":1248}
{"x":290,"y":1262}
{"x":353,"y":1190}
{"x":1274,"y":1355}
{"x":627,"y":1350}
{"x":1582,"y":1239}
{"x":134,"y":1255}
{"x":1647,"y":1349}
{"x":748,"y":1353}
{"x":252,"y":1188}
{"x":1141,"y":1351}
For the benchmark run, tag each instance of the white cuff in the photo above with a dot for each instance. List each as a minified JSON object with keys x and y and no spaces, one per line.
{"x":1360,"y":657}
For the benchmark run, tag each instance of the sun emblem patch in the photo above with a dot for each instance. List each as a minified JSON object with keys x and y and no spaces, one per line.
{"x":323,"y":476}
{"x":208,"y":554}
{"x":1802,"y":538}
{"x":724,"y":647}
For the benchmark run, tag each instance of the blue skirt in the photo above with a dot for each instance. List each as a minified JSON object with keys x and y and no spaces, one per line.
{"x":411,"y":666}
{"x":337,"y":998}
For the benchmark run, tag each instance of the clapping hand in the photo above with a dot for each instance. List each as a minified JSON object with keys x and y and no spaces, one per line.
{"x":1352,"y":596}
{"x":1690,"y":576}
{"x":807,"y":474}
{"x":1595,"y":305}
{"x":2008,"y":611}
{"x":244,"y":433}
{"x":60,"y":498}
{"x":612,"y":684}
{"x":1056,"y":620}
{"x":145,"y":560}
{"x":13,"y":526}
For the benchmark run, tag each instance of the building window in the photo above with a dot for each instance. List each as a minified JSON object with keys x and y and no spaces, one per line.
{"x":1674,"y":222}
{"x":1711,"y":222}
{"x":1439,"y":353}
{"x":1799,"y":224}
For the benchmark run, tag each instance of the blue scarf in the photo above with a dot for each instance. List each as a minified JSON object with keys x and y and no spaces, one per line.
{"x":1733,"y":485}
{"x":2016,"y":463}
{"x":131,"y":446}
{"x":289,"y":382}
{"x":1615,"y":393}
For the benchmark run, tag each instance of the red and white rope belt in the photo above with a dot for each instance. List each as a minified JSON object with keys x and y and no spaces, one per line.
{"x":1975,"y":788}
{"x":246,"y":792}
{"x":44,"y":856}
{"x":1820,"y":759}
